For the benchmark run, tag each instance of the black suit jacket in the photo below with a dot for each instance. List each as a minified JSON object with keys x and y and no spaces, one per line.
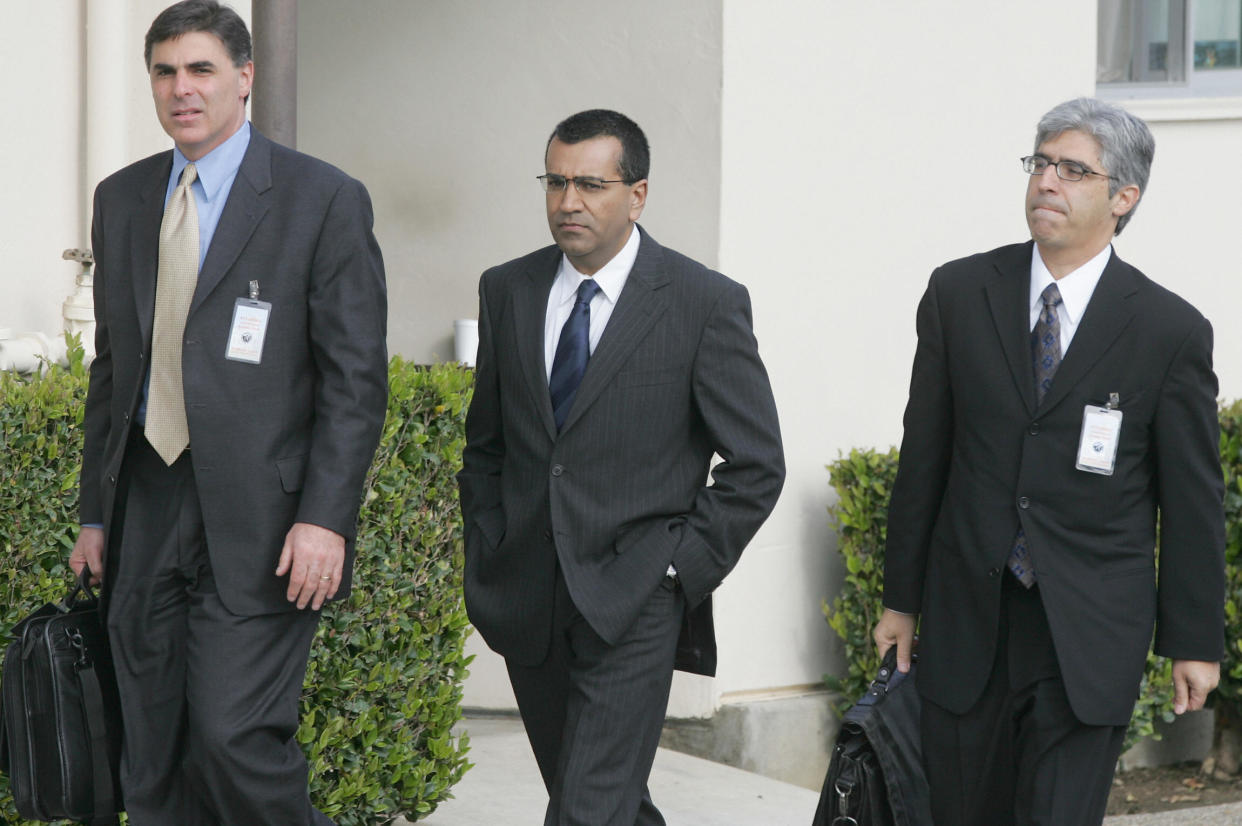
{"x":290,"y":439}
{"x":979,"y":458}
{"x":622,"y":490}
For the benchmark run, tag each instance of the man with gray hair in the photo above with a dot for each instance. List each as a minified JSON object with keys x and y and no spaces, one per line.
{"x":1061,"y":403}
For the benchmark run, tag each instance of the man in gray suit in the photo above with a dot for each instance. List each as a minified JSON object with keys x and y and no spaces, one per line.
{"x":610,"y":370}
{"x":233,"y":411}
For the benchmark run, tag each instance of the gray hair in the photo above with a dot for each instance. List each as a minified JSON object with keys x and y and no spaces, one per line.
{"x":1126,"y":144}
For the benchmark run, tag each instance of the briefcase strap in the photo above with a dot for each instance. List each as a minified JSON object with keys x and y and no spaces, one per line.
{"x":4,"y":741}
{"x":102,"y":782}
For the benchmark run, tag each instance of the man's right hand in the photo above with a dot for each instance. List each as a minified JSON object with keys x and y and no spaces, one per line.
{"x":88,"y":551}
{"x":896,"y":629}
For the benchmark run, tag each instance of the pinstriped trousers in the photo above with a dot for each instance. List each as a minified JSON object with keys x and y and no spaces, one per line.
{"x":593,"y":712}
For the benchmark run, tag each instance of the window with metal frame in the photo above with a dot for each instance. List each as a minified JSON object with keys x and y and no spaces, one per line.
{"x":1169,"y":48}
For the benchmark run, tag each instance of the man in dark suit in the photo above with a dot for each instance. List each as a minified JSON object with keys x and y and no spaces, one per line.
{"x":610,"y":370}
{"x":1061,"y":403}
{"x":234,"y":407}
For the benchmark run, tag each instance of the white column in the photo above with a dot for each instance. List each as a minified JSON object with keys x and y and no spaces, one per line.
{"x":109,"y":64}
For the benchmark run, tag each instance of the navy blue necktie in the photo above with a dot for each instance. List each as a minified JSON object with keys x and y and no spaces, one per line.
{"x":1046,"y":355}
{"x":572,"y":351}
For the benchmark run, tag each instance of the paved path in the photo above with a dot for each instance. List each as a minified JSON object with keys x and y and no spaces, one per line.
{"x":504,"y":788}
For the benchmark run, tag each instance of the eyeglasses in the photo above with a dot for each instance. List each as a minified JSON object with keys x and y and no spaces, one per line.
{"x":1066,"y":170}
{"x":586,"y":185}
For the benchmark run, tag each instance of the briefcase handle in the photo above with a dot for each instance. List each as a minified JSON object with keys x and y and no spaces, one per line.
{"x":82,"y":595}
{"x":887,"y":679}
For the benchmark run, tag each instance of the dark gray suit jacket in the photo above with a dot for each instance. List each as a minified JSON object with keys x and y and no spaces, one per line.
{"x":980,"y":458}
{"x":290,"y":439}
{"x":622,"y":490}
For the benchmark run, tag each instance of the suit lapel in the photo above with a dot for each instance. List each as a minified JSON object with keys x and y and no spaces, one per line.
{"x":144,"y":245}
{"x":247,"y":202}
{"x":530,"y":307}
{"x":640,"y":304}
{"x":1105,"y":318}
{"x":1009,"y":298}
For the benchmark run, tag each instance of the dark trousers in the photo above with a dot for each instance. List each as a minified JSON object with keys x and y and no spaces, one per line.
{"x":1020,"y":756}
{"x":593,"y":712}
{"x":209,"y":699}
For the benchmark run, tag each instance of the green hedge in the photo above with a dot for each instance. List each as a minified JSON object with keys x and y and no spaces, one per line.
{"x":383,"y":686}
{"x":863,"y":480}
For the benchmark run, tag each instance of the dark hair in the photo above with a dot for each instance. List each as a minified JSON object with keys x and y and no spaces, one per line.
{"x":202,"y":16}
{"x":605,"y":123}
{"x":1126,"y":144}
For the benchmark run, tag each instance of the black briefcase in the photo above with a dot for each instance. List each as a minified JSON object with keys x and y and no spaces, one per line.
{"x":876,"y":775}
{"x":60,"y":716}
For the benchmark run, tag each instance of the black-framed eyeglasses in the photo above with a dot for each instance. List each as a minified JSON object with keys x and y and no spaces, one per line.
{"x":1066,"y":170}
{"x":585,"y":184}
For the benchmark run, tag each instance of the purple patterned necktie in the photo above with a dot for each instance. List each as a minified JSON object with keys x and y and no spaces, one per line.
{"x":1046,"y":354}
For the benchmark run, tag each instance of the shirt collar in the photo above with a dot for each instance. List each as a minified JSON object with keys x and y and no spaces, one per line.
{"x":610,"y":277}
{"x":217,"y":166}
{"x":1076,"y":287}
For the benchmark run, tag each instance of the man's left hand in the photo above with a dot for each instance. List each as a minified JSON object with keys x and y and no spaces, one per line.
{"x":1193,"y":680}
{"x":314,"y":558}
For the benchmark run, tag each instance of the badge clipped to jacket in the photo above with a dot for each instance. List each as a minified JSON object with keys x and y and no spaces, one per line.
{"x":1101,"y":434}
{"x":249,"y":328}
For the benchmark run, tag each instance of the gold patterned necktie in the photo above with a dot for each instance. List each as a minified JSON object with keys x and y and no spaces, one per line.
{"x":166,"y":427}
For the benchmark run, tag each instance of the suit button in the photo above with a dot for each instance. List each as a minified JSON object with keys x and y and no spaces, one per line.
{"x":125,"y":418}
{"x":557,"y":470}
{"x":1033,"y":429}
{"x":111,"y":479}
{"x":994,"y":572}
{"x":1024,"y":502}
{"x":547,"y":535}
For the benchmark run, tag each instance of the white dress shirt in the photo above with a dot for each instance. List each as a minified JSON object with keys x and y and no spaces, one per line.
{"x":611,"y":279}
{"x":1076,"y":289}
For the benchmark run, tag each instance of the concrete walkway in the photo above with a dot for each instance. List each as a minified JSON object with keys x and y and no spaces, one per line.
{"x":504,"y":788}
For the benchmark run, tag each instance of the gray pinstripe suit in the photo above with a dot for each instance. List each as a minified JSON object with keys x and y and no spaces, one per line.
{"x":569,"y":535}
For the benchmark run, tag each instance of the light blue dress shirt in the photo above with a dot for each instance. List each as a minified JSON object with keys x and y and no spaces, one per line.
{"x":216,"y":172}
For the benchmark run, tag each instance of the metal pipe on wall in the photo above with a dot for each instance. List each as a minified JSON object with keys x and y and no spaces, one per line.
{"x":274,"y":109}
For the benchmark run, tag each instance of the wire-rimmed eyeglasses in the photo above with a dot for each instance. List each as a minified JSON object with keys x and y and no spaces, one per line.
{"x":585,"y":184}
{"x":1066,"y":170}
